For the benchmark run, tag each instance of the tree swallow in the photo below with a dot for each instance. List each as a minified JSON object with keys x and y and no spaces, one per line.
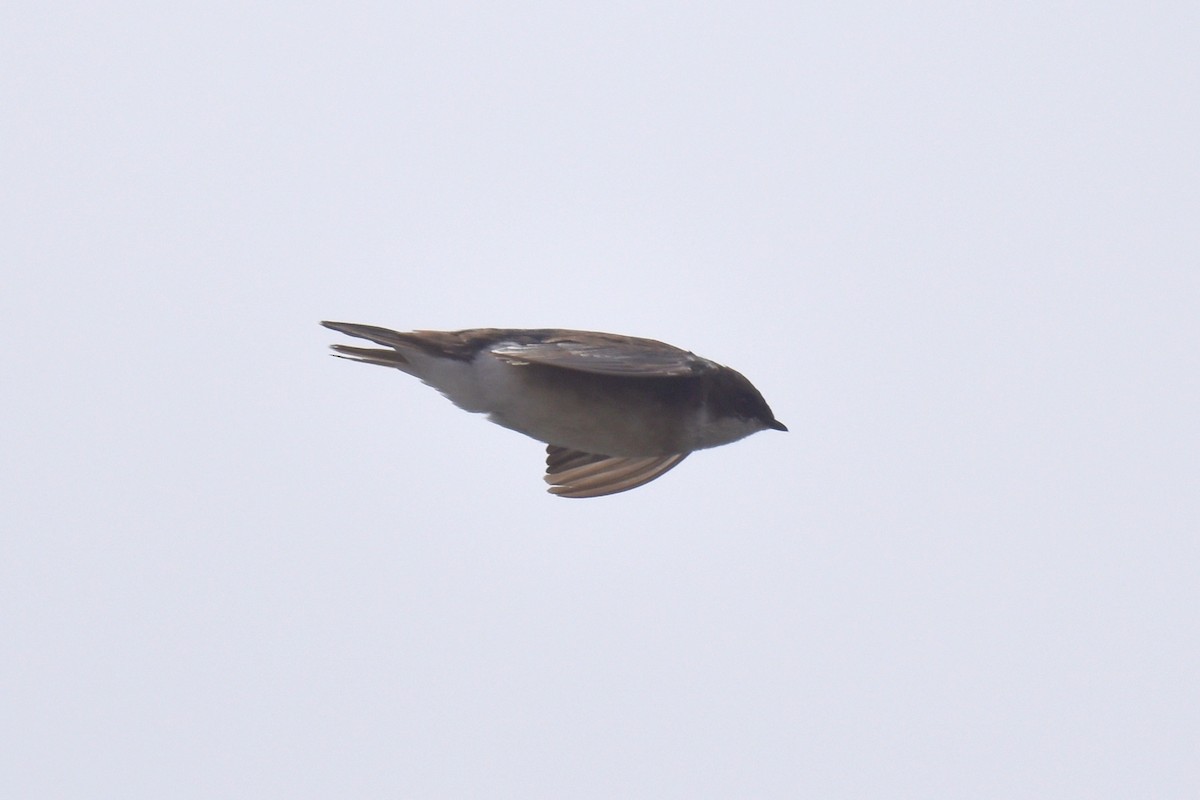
{"x":614,"y":411}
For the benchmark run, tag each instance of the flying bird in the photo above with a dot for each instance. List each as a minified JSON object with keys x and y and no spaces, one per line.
{"x":614,"y":411}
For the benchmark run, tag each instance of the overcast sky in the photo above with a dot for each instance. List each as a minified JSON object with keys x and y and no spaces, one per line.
{"x":955,"y":248}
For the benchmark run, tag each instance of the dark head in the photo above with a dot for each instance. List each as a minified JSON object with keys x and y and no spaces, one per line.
{"x":748,"y":403}
{"x":734,"y":409}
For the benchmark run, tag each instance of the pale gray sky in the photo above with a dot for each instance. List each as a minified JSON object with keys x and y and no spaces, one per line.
{"x":955,"y":247}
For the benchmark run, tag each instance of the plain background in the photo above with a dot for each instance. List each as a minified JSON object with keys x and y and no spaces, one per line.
{"x":955,"y":247}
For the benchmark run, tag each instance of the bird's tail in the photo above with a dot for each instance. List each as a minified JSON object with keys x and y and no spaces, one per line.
{"x":395,"y":341}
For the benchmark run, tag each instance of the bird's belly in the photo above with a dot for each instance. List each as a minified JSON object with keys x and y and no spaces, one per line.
{"x":590,"y":430}
{"x":606,"y":416}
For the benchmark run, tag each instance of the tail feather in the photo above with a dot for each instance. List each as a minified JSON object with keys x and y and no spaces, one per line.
{"x":370,"y":355}
{"x":395,"y":341}
{"x":457,"y":345}
{"x":383,"y":336}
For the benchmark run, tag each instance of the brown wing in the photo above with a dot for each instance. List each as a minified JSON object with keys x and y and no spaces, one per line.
{"x":574,"y":473}
{"x":605,"y":354}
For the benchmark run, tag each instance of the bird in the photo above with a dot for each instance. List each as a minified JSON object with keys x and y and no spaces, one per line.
{"x":615,"y":412}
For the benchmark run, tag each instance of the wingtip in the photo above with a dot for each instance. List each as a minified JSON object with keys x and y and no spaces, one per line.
{"x":609,"y":475}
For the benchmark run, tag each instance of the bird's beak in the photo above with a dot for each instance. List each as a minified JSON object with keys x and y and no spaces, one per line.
{"x":777,"y":425}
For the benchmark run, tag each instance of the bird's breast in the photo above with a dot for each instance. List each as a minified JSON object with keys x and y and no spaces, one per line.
{"x":593,"y":413}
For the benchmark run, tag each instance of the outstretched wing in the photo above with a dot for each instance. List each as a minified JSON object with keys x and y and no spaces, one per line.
{"x":574,"y":473}
{"x":605,"y":354}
